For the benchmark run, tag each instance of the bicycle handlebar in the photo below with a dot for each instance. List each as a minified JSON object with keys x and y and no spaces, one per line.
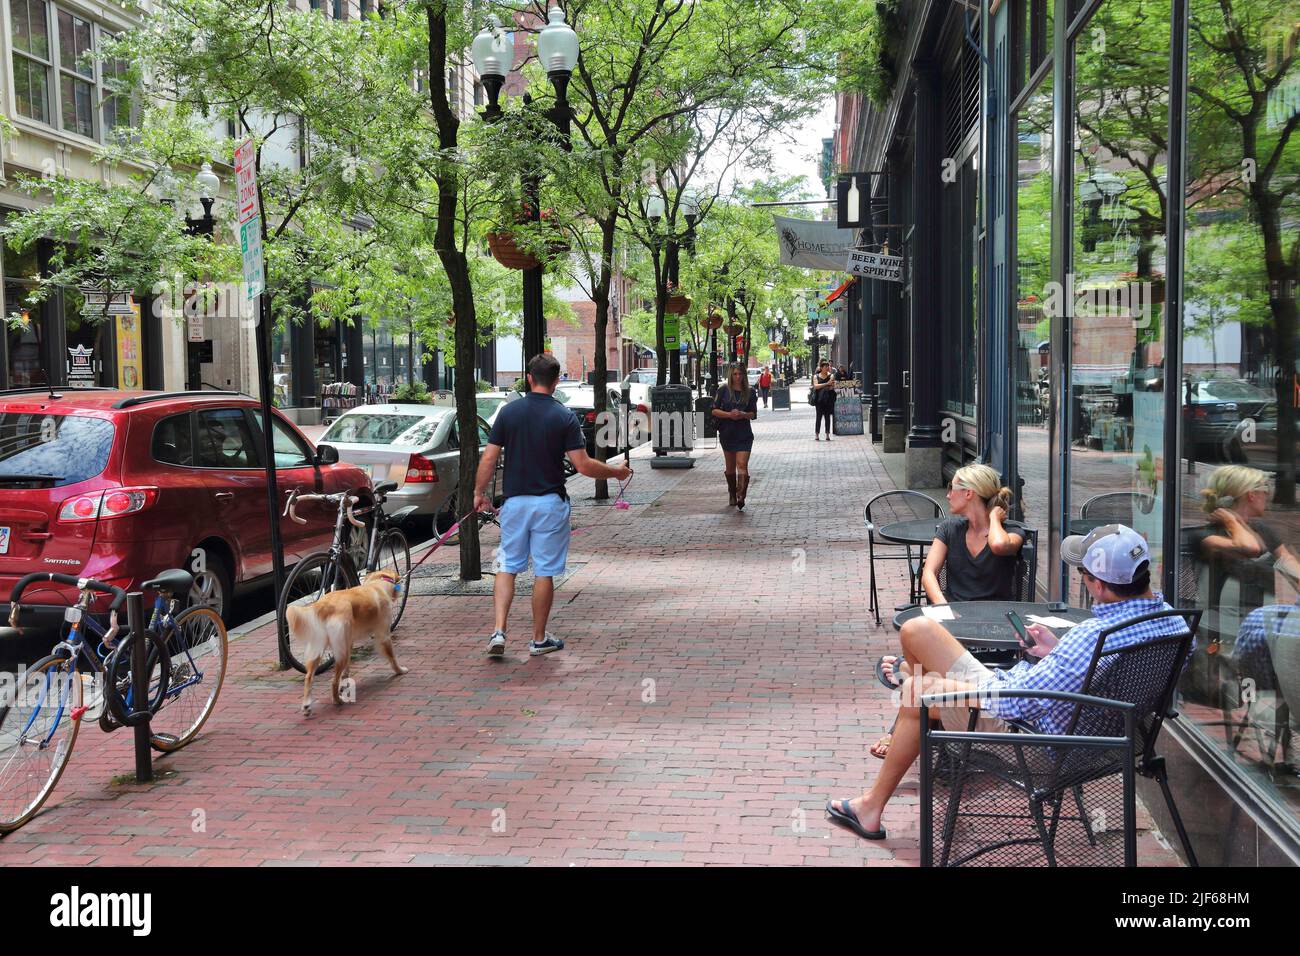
{"x":81,"y":584}
{"x":345,"y":500}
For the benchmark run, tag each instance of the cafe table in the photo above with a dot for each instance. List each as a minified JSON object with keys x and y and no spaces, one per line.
{"x":982,"y":626}
{"x":916,"y":531}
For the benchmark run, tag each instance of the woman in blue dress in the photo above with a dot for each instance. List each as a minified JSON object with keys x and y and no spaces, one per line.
{"x":734,"y":406}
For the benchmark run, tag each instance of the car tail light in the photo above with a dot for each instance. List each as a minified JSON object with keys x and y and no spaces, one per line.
{"x":420,"y":469}
{"x":642,"y":408}
{"x":116,"y":503}
{"x":1198,"y":411}
{"x":591,"y":417}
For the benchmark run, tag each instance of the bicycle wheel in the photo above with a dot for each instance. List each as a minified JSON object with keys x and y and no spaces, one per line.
{"x":117,"y":679}
{"x":37,"y":734}
{"x":395,"y":555}
{"x":197,"y":645}
{"x":311,"y":578}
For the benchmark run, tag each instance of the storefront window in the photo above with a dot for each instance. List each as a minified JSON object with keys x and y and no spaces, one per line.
{"x":281,"y":369}
{"x":89,"y":356}
{"x":1032,"y":371}
{"x":1240,"y":389}
{"x":1114,"y":292}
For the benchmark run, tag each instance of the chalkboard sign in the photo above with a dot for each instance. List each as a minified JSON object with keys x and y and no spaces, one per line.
{"x":848,"y":412}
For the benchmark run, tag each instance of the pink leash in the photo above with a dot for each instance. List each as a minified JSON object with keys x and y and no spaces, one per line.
{"x":621,"y":503}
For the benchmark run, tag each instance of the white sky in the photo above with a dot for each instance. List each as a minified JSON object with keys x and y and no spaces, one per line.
{"x":797,"y":151}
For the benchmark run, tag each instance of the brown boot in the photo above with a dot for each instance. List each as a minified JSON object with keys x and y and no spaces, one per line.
{"x":742,"y":486}
{"x":731,"y":489}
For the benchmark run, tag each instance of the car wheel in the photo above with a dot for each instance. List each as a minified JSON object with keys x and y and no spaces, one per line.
{"x":212,"y":586}
{"x":447,"y":516}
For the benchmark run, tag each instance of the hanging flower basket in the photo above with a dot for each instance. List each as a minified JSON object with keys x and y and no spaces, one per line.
{"x":507,"y":252}
{"x":713,"y":321}
{"x":505,"y":246}
{"x":677,"y":304}
{"x":734,"y":328}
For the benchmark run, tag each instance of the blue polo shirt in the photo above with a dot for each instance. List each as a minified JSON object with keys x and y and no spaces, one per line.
{"x":536,"y":432}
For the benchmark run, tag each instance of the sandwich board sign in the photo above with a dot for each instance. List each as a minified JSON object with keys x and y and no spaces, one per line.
{"x":874,"y":265}
{"x":249,"y":221}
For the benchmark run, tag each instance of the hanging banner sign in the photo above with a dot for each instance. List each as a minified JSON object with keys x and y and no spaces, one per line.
{"x":812,"y":243}
{"x":672,"y":332}
{"x":249,"y":220}
{"x":873,"y":265}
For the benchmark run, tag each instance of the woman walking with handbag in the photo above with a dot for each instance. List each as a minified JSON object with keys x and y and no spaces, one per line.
{"x":734,"y":406}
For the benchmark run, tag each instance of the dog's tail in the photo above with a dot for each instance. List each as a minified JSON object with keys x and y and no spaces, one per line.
{"x":306,"y":631}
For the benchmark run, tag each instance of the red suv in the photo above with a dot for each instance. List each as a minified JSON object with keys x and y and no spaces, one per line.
{"x":120,"y":485}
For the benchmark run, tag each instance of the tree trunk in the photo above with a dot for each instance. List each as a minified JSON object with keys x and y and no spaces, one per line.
{"x":462,"y":296}
{"x":600,"y":295}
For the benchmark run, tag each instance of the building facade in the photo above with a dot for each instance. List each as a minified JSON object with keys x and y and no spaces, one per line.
{"x":1098,"y":207}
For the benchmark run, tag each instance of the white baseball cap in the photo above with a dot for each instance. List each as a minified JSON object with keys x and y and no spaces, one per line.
{"x":1112,"y":553}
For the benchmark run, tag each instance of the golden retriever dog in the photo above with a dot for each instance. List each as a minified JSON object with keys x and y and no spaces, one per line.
{"x":339,"y":619}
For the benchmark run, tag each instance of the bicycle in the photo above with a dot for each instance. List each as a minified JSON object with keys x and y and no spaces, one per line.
{"x":336,"y":569}
{"x":39,"y":725}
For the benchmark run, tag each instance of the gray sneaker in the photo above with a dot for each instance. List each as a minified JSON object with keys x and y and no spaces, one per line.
{"x":497,"y":644}
{"x":550,"y":644}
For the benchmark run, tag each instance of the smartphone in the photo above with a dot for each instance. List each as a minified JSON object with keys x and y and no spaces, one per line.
{"x":1019,"y":625}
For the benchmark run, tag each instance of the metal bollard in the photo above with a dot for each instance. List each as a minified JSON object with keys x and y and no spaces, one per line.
{"x":140,"y":685}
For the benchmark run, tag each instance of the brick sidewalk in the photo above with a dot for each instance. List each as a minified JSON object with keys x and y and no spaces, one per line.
{"x":715,"y":691}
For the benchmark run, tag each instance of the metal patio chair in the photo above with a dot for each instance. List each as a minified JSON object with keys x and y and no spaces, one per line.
{"x":882,"y":509}
{"x":1001,"y":798}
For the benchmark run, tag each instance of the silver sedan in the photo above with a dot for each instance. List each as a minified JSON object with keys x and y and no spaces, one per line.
{"x":417,"y":446}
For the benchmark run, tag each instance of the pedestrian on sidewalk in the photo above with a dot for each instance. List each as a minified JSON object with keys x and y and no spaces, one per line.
{"x":734,"y":406}
{"x":824,"y":392}
{"x":539,"y":432}
{"x":765,"y":384}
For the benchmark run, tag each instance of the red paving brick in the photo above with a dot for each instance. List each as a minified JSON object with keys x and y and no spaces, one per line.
{"x":715,"y":690}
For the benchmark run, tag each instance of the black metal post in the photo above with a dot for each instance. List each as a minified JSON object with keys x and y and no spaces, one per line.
{"x":140,"y":685}
{"x":534,"y":321}
{"x":268,"y":450}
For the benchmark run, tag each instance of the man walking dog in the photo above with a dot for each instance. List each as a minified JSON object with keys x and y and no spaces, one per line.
{"x":537,"y":433}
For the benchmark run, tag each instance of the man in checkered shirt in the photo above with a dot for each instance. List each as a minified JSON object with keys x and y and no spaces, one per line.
{"x":1115,"y":565}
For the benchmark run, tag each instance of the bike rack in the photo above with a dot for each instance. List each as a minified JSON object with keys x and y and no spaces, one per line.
{"x":140,"y":685}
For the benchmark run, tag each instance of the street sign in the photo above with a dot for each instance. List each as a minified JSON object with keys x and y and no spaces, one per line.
{"x":873,"y":265}
{"x":249,"y":221}
{"x":97,"y":302}
{"x":672,"y":332}
{"x":194,"y":326}
{"x":852,"y":194}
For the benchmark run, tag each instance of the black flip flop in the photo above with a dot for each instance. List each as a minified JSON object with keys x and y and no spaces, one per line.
{"x":880,"y":672}
{"x":849,"y":820}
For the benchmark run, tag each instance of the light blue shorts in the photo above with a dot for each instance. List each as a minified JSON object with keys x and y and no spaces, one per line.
{"x":535,"y":526}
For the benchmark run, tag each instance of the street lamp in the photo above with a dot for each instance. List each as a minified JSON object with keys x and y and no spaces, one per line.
{"x":207,"y":185}
{"x":492,"y":51}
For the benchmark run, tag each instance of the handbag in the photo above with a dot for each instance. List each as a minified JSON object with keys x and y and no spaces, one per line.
{"x":812,"y":396}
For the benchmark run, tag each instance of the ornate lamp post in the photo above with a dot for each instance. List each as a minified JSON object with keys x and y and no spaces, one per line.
{"x":206,"y":184}
{"x":493,"y":54}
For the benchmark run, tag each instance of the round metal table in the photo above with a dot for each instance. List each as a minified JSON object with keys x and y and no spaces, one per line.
{"x":917,"y":531}
{"x":1086,"y":526}
{"x":984,"y":623}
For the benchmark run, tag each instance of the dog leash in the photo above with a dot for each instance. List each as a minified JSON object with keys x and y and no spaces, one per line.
{"x":621,"y":503}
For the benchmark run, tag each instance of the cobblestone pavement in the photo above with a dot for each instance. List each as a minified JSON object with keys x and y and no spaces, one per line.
{"x":714,"y":692}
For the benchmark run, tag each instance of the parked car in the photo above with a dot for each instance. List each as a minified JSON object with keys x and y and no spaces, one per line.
{"x":490,"y":403}
{"x":1218,"y":412}
{"x":580,"y":399}
{"x":417,"y":446}
{"x":119,"y":485}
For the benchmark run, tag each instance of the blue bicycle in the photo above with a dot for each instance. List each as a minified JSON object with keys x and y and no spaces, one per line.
{"x":89,"y":672}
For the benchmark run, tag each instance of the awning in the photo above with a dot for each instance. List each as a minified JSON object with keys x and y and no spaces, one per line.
{"x":844,"y":287}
